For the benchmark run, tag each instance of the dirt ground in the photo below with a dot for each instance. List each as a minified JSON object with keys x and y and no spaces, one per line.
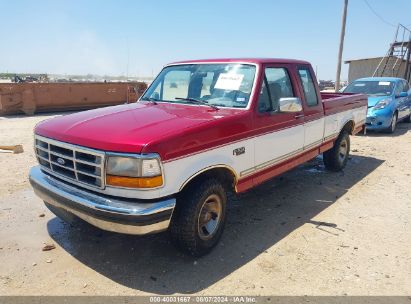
{"x":308,"y":232}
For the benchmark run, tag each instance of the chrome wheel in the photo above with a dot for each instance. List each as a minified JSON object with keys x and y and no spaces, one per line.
{"x":210,"y":216}
{"x":343,"y":150}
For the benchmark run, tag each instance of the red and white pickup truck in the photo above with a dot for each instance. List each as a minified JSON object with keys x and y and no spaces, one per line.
{"x":201,"y":129}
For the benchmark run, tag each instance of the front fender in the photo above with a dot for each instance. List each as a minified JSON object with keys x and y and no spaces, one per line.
{"x":178,"y":172}
{"x":380,"y":119}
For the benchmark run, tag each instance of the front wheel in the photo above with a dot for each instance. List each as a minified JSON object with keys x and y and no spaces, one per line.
{"x":199,"y":218}
{"x":393,"y":126}
{"x":336,"y":158}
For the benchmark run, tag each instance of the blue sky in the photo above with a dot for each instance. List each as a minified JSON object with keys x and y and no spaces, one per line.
{"x":107,"y":36}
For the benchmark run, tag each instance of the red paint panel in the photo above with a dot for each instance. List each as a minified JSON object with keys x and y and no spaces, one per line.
{"x":266,"y":174}
{"x":339,"y":102}
{"x":199,"y":138}
{"x":131,"y":128}
{"x":327,"y":146}
{"x":269,"y":173}
{"x":244,"y":184}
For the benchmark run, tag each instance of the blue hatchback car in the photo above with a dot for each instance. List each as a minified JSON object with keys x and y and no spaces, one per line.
{"x":389,"y":101}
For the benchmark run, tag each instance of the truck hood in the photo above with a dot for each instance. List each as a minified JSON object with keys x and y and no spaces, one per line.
{"x":127,"y":128}
{"x":373,"y":100}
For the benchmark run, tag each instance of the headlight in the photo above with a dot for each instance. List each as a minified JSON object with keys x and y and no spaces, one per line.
{"x":132,"y":172}
{"x":382,"y":104}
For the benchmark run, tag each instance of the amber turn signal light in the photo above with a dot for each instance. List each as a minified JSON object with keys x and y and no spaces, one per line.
{"x":134,"y":182}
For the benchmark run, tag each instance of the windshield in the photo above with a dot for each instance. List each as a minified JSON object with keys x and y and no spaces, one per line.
{"x":221,"y":85}
{"x":376,"y":88}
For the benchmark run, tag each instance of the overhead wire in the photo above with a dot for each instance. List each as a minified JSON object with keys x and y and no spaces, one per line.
{"x":378,"y":15}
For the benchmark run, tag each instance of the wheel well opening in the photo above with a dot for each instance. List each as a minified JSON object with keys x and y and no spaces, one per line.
{"x":223,"y":174}
{"x":349,"y":127}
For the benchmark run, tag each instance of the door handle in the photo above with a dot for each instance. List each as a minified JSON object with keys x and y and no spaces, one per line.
{"x":298,"y":116}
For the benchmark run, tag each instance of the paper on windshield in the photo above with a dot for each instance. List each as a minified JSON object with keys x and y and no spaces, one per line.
{"x":229,"y":81}
{"x":384,"y":83}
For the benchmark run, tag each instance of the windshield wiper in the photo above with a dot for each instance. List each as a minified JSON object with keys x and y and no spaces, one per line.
{"x":194,"y":100}
{"x":150,"y":99}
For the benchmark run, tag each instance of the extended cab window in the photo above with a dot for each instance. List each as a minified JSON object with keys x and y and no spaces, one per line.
{"x":308,"y":86}
{"x":276,"y":85}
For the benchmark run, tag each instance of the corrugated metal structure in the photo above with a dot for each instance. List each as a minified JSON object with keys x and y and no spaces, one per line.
{"x":396,"y":62}
{"x":30,"y":98}
{"x":366,"y":67}
{"x":397,"y":59}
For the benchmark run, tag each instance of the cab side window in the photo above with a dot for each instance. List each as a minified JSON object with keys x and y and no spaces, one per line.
{"x":399,"y":88}
{"x":406,"y":86}
{"x":276,"y":85}
{"x":307,"y":82}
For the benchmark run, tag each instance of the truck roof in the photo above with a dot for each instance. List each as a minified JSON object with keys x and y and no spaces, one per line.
{"x":244,"y":60}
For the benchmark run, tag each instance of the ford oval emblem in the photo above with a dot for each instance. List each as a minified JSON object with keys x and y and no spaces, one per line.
{"x":61,"y":161}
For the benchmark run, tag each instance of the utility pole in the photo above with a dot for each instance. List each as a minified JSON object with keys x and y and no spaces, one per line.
{"x":340,"y":51}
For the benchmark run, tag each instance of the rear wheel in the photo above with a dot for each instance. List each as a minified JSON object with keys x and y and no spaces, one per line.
{"x":199,"y":218}
{"x":336,"y":158}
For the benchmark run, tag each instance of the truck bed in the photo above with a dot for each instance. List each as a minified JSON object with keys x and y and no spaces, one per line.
{"x":339,"y":102}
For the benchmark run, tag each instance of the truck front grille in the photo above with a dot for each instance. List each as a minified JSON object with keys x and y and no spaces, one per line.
{"x":70,"y":162}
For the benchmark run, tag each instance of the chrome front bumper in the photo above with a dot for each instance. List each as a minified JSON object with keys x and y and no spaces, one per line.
{"x":115,"y":214}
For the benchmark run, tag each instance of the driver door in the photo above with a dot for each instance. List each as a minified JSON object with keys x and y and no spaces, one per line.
{"x":281,"y":134}
{"x":401,"y":102}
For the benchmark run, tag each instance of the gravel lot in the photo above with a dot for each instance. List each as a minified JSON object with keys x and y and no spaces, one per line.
{"x":308,"y":232}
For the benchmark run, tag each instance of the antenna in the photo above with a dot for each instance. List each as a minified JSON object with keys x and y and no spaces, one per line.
{"x":128,"y":57}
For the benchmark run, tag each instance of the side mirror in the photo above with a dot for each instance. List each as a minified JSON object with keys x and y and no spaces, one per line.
{"x":290,"y":104}
{"x":402,"y":94}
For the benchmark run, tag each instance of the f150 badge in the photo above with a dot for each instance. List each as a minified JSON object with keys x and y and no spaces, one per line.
{"x":239,"y":151}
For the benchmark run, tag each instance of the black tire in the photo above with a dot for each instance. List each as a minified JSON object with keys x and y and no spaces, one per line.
{"x":197,"y":204}
{"x":66,"y":216}
{"x":408,"y":119}
{"x":336,"y":158}
{"x":393,"y":126}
